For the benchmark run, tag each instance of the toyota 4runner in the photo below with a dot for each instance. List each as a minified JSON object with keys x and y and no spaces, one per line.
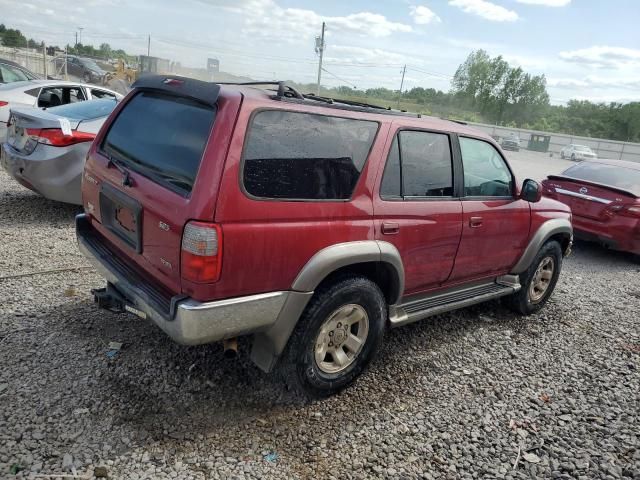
{"x":308,"y":223}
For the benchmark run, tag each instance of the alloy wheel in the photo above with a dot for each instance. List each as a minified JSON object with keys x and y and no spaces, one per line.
{"x":541,"y":279}
{"x":341,"y":338}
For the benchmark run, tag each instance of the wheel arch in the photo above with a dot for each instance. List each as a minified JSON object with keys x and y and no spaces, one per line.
{"x":558,"y":229}
{"x":377,"y":260}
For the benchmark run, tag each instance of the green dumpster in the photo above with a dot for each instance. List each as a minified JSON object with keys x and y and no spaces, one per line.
{"x":539,"y":143}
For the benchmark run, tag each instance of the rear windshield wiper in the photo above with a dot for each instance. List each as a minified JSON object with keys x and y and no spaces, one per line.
{"x":126,"y":181}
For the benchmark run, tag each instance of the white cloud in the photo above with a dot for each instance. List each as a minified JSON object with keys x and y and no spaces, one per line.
{"x":487,"y":10}
{"x":423,"y":15}
{"x":546,"y":3}
{"x":266,"y":18}
{"x":603,"y":57}
{"x":595,"y":82}
{"x":338,"y":54}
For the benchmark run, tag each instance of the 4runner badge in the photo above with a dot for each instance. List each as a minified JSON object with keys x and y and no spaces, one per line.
{"x":163,"y":226}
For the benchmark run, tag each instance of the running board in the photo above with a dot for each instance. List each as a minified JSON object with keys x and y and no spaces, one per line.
{"x":453,"y":299}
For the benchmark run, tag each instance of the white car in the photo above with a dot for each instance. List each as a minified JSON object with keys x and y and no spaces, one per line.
{"x":577,"y":153}
{"x":43,"y":94}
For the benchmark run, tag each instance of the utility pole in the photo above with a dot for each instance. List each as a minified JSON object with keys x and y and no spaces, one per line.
{"x":320,"y":51}
{"x":80,"y":28}
{"x":404,"y":70}
{"x":149,"y":45}
{"x":76,"y":44}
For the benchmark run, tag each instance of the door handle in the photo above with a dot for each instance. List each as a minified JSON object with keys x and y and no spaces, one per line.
{"x":390,"y":228}
{"x":475,"y":222}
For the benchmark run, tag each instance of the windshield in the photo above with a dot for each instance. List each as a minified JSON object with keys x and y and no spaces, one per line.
{"x":581,"y":148}
{"x":85,"y":110}
{"x":605,"y":174}
{"x":10,"y":74}
{"x":90,"y":64}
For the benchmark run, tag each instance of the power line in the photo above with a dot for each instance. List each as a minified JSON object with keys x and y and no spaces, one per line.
{"x":335,"y":76}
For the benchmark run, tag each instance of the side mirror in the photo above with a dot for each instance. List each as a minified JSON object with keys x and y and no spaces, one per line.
{"x":531,"y":191}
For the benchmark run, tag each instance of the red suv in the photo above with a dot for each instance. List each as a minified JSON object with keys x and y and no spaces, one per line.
{"x":311,"y":224}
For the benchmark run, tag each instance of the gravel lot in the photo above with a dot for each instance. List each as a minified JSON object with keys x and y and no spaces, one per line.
{"x":477,"y":393}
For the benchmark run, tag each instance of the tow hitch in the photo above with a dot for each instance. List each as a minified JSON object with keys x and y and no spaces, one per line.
{"x":109,"y":298}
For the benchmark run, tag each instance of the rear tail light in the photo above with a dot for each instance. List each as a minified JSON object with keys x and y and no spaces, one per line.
{"x":3,"y":104}
{"x":201,"y":259}
{"x":56,"y":138}
{"x":632,"y":211}
{"x":624,"y":209}
{"x":548,"y":190}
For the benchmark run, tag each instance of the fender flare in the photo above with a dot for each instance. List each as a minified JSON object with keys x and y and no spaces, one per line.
{"x":555,"y":226}
{"x":268,"y":345}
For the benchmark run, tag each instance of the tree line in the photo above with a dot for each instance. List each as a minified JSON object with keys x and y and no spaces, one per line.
{"x":489,"y":90}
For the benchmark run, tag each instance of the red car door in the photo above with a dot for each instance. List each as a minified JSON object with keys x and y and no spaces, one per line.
{"x":495,"y":224}
{"x":415,"y":208}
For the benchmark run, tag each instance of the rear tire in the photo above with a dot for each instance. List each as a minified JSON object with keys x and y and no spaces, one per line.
{"x":322,"y":356}
{"x":562,"y":155}
{"x":86,"y":78}
{"x":538,"y":281}
{"x":573,"y":157}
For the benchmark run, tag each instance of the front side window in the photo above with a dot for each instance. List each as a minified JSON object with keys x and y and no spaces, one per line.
{"x":485,"y":172}
{"x":301,"y":156}
{"x":419,"y":165}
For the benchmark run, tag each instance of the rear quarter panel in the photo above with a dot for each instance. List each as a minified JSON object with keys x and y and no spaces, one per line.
{"x":267,"y":242}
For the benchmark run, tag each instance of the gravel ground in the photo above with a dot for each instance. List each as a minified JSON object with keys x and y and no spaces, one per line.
{"x":477,"y":393}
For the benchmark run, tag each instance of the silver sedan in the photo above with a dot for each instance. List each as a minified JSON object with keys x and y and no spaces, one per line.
{"x":45,"y":94}
{"x":46,"y":149}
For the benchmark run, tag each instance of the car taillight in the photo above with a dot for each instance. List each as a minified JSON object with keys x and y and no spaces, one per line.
{"x":548,"y":190}
{"x":201,"y":259}
{"x":632,"y":211}
{"x":3,"y":103}
{"x":625,"y":209}
{"x":56,"y":138}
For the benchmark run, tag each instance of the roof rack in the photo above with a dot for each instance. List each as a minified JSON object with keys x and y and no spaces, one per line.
{"x":287,"y":92}
{"x":284,"y":90}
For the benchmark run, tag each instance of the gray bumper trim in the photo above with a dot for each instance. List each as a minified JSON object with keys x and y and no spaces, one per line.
{"x":196,"y":322}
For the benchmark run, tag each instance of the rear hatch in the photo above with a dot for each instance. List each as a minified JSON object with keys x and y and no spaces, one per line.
{"x":146,"y":166}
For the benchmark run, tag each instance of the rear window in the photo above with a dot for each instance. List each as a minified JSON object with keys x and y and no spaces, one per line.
{"x":604,"y":174}
{"x":301,"y":156}
{"x":85,"y":110}
{"x":162,"y":137}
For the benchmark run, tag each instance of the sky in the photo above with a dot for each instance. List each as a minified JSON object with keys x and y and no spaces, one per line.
{"x":587,"y":49}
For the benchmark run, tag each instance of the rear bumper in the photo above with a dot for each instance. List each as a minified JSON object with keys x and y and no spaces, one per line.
{"x":53,"y":172}
{"x":186,"y":321}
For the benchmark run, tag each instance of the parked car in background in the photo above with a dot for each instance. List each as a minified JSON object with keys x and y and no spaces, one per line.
{"x":604,"y":196}
{"x":511,"y":142}
{"x":84,"y":68}
{"x":14,"y":72}
{"x":311,"y":225}
{"x":45,"y":150}
{"x":45,"y":94}
{"x":577,"y":153}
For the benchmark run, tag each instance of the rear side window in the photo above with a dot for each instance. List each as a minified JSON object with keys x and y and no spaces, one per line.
{"x":419,"y":165}
{"x":301,"y":156}
{"x":162,"y":137}
{"x":604,"y":174}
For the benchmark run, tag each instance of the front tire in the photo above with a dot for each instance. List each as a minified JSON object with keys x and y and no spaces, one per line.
{"x":538,"y":281}
{"x":336,"y":338}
